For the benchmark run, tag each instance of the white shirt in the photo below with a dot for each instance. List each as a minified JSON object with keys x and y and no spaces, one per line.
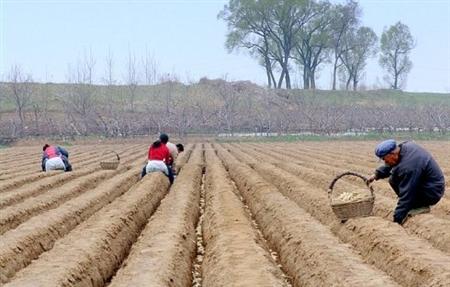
{"x":172,"y":150}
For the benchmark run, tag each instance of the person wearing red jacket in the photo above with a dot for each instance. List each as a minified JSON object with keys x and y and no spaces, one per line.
{"x":55,"y":158}
{"x":158,"y":158}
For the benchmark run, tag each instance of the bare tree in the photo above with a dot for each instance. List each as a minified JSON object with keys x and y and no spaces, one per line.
{"x":132,"y":80}
{"x":21,"y":89}
{"x":438,"y":116}
{"x":108,"y":79}
{"x":86,"y":69}
{"x":228,"y":107}
{"x":107,"y":109}
{"x":150,"y":69}
{"x":80,"y":101}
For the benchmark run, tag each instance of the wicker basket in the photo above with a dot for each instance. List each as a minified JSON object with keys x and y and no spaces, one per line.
{"x":357,"y":208}
{"x":112,"y":164}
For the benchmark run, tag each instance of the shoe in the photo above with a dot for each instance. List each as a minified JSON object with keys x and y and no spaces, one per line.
{"x":419,"y":210}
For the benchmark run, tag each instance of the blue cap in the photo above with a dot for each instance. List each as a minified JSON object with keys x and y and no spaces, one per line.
{"x":385,"y":147}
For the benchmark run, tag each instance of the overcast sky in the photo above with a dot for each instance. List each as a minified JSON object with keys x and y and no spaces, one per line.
{"x":186,"y":38}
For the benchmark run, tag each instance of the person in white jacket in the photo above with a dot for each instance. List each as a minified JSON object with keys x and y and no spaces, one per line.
{"x":174,"y":150}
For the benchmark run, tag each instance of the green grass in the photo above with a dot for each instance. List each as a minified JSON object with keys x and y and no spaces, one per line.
{"x":373,"y":136}
{"x":49,"y":92}
{"x":377,"y":97}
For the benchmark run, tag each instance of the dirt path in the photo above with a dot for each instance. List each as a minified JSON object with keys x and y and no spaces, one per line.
{"x":234,"y":254}
{"x":33,"y":165}
{"x":91,"y":253}
{"x":38,"y":187}
{"x":330,"y":164}
{"x":308,"y":251}
{"x":248,"y":214}
{"x":79,"y":161}
{"x":14,"y":181}
{"x":436,"y":231}
{"x":12,"y":216}
{"x":32,"y":189}
{"x":18,"y":247}
{"x":397,"y":245}
{"x":164,"y":254}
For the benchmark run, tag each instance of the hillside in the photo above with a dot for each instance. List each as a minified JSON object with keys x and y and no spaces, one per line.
{"x":213,"y":106}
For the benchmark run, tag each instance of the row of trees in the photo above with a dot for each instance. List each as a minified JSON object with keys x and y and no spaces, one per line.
{"x":306,"y":34}
{"x":209,"y":106}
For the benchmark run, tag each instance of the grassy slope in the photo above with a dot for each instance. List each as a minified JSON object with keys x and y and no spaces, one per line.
{"x":379,"y":97}
{"x":401,"y":136}
{"x":376,"y":97}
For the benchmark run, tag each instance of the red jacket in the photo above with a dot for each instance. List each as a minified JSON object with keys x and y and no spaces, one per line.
{"x":159,"y":153}
{"x":51,"y":152}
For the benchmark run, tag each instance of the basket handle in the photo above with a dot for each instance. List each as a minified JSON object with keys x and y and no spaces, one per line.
{"x":109,"y":151}
{"x":349,"y":173}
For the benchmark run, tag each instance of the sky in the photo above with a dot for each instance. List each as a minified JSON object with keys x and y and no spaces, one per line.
{"x":186,"y":39}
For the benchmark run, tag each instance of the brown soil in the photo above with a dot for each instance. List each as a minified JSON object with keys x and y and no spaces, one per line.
{"x":271,"y":226}
{"x":95,"y":249}
{"x":14,"y":215}
{"x":20,"y":246}
{"x":234,"y":255}
{"x":165,"y":251}
{"x":397,"y":244}
{"x":308,"y":251}
{"x":437,"y":231}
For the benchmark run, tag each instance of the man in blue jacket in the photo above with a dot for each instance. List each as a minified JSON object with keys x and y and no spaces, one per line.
{"x":413,"y":175}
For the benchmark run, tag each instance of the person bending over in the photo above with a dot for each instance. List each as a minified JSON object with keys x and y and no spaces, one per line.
{"x":413,"y":174}
{"x":158,"y":157}
{"x":55,"y":158}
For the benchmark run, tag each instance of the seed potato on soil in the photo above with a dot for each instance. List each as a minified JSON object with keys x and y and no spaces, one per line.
{"x":240,"y":214}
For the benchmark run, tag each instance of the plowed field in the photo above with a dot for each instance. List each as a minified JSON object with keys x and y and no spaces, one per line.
{"x":249,"y":214}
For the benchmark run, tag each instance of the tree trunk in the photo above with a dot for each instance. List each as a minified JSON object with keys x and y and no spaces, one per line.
{"x":286,"y":68}
{"x":355,"y":84}
{"x":268,"y":71}
{"x":274,"y":82}
{"x":334,"y":73}
{"x":269,"y":79}
{"x":395,"y":72}
{"x":347,"y":84}
{"x":280,"y":80}
{"x":21,"y":119}
{"x":395,"y":81}
{"x":312,"y":80}
{"x":288,"y":80}
{"x":305,"y":78}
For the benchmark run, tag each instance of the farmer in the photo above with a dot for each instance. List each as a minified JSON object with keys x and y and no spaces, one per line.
{"x":180,"y":147}
{"x":413,"y":175}
{"x":55,"y":158}
{"x":158,"y":158}
{"x":174,"y":150}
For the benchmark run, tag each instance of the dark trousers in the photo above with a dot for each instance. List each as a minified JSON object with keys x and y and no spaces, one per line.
{"x":144,"y":171}
{"x":171,"y":177}
{"x":421,"y":199}
{"x":68,"y":166}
